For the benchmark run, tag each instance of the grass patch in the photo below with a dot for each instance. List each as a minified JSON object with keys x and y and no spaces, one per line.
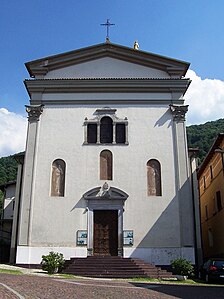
{"x":187,"y":281}
{"x":7,"y":271}
{"x":194,"y":281}
{"x":143,"y":279}
{"x":69,"y":276}
{"x":167,"y":281}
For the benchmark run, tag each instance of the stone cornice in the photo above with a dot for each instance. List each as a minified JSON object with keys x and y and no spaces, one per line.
{"x":103,"y":102}
{"x":172,"y":66}
{"x":106,"y":85}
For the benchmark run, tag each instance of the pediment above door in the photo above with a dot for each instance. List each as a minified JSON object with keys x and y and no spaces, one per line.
{"x":105,"y":192}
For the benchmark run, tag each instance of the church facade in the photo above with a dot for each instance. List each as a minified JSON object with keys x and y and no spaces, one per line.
{"x":106,"y":168}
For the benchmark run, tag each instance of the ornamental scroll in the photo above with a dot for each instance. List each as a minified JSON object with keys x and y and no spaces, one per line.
{"x":34,"y":112}
{"x":179,"y":112}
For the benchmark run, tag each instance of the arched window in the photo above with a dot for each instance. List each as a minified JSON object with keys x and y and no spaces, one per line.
{"x":106,"y":130}
{"x":58,"y":178}
{"x":154,"y":178}
{"x":106,"y":165}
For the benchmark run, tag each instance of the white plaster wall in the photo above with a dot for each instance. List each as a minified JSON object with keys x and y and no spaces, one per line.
{"x":33,"y":255}
{"x":155,"y":220}
{"x":8,"y":201}
{"x":106,"y":68}
{"x":161,"y":256}
{"x":156,"y":256}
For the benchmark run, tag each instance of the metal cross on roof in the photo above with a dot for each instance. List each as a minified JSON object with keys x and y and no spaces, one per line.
{"x":108,"y":24}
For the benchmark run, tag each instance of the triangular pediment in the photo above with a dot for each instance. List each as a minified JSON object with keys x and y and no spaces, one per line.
{"x":107,"y":60}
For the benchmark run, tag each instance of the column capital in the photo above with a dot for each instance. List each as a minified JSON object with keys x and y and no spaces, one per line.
{"x":179,"y":112}
{"x":34,"y":112}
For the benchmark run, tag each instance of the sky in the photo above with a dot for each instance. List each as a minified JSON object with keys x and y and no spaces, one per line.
{"x":190,"y":30}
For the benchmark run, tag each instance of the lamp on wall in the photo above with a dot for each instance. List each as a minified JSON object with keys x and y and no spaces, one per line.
{"x":221,"y":151}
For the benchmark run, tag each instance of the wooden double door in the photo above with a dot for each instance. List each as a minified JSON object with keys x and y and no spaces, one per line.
{"x":105,"y":240}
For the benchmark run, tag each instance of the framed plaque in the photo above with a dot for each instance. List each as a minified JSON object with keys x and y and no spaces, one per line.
{"x":82,"y":237}
{"x":128,"y":238}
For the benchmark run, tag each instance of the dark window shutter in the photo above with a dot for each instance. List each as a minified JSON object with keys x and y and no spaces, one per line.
{"x":92,"y":133}
{"x":120,"y":133}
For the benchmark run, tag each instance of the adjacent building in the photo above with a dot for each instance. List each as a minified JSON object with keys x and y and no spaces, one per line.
{"x":211,"y":188}
{"x":6,"y":220}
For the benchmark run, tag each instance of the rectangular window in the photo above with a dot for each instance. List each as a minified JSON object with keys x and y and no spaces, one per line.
{"x":204,"y":182}
{"x":92,"y":133}
{"x":206,"y":212}
{"x":120,"y":133}
{"x":218,"y":201}
{"x":81,"y":237}
{"x":211,"y":172}
{"x":214,"y":206}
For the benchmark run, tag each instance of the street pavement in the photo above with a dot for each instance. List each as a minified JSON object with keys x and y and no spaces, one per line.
{"x":27,"y":286}
{"x":36,"y":284}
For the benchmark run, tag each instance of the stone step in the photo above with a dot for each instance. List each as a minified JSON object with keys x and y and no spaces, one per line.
{"x":116,"y":267}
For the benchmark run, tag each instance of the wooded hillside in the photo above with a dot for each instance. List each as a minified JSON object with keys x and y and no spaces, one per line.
{"x":8,"y":169}
{"x":203,"y":136}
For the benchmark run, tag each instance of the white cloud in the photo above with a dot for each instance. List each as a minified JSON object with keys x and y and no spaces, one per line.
{"x":205,"y":99}
{"x":12,"y":132}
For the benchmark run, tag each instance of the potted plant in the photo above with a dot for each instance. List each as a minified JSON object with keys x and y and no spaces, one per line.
{"x":182,"y":268}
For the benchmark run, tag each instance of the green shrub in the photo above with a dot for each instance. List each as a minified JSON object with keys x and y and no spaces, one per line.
{"x":182,"y":267}
{"x":53,"y":262}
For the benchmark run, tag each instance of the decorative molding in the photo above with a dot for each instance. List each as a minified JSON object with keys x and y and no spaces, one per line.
{"x":179,"y":112}
{"x":101,"y":102}
{"x":105,"y":192}
{"x":100,"y":113}
{"x":172,"y":66}
{"x":110,"y":85}
{"x":89,"y":251}
{"x":105,"y":111}
{"x":34,"y":112}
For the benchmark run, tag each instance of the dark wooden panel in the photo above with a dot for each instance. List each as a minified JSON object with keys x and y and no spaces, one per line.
{"x":105,"y":232}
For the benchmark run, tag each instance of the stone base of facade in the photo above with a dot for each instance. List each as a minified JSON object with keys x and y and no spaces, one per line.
{"x":33,"y":255}
{"x":156,"y":256}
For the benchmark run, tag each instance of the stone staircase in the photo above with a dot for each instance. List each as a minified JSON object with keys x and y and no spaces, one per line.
{"x":113,"y":267}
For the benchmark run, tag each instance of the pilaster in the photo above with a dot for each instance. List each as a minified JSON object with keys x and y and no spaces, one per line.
{"x":27,"y":195}
{"x":183,"y":186}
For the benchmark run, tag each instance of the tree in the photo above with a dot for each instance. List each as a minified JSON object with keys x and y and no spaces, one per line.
{"x":203,"y":136}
